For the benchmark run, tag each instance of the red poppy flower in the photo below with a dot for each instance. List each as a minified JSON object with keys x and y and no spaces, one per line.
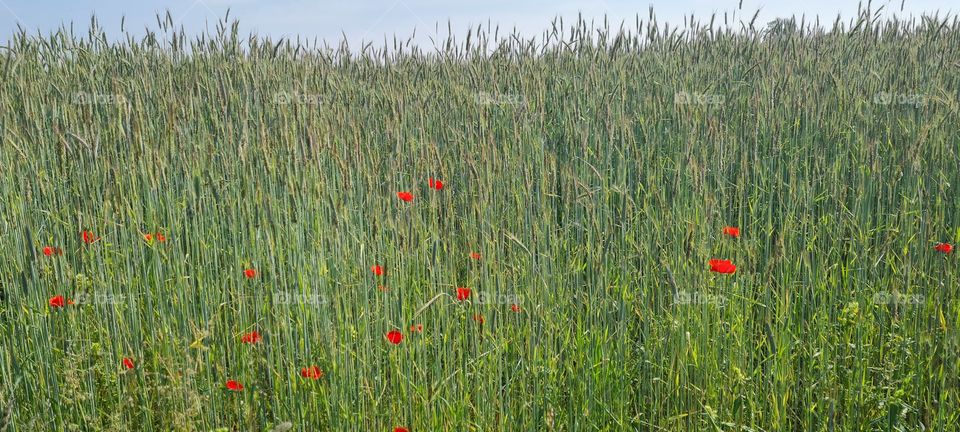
{"x":435,"y":184}
{"x":463,"y":293}
{"x":405,"y":196}
{"x":401,"y":429}
{"x":57,"y":301}
{"x":395,"y":337}
{"x":377,"y":270}
{"x":250,"y":273}
{"x":416,"y":328}
{"x":732,"y":231}
{"x":944,"y":247}
{"x":234,"y":386}
{"x":128,"y":363}
{"x":722,"y":266}
{"x":251,"y":338}
{"x":478,"y":318}
{"x":48,"y":251}
{"x":475,"y":255}
{"x":161,"y":238}
{"x":312,"y":372}
{"x":515,"y":307}
{"x":148,"y":237}
{"x":88,"y":237}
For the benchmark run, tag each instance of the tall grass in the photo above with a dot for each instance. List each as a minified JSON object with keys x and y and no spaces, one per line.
{"x":592,"y":168}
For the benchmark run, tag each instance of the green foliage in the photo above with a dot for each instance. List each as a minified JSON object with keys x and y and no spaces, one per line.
{"x":592,"y":170}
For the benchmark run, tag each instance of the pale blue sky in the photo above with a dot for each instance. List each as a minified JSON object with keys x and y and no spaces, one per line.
{"x":370,"y":20}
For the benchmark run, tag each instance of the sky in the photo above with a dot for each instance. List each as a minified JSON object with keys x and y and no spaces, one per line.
{"x":364,"y":21}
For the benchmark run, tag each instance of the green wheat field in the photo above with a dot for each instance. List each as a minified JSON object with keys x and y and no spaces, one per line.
{"x":226,"y":232}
